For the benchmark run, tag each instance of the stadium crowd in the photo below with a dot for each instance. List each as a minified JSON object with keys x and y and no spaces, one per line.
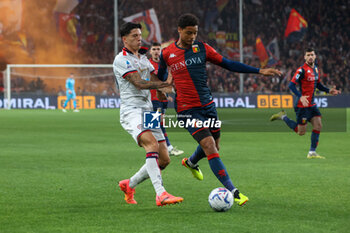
{"x":326,"y":32}
{"x":327,"y":21}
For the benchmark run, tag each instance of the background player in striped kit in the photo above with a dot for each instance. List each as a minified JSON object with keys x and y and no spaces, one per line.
{"x":159,"y":99}
{"x":307,"y":77}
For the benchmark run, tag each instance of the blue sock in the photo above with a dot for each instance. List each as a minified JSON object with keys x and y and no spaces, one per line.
{"x":197,"y":155}
{"x":314,"y":139}
{"x":75,"y":104}
{"x":219,"y":170}
{"x":165,"y":134}
{"x":291,"y":124}
{"x":65,"y":103}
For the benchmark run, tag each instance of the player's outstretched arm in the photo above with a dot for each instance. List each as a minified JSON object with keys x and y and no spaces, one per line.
{"x":160,"y":91}
{"x":243,"y":68}
{"x":270,"y":72}
{"x":139,"y":83}
{"x":216,"y":58}
{"x":334,"y":91}
{"x":169,"y":89}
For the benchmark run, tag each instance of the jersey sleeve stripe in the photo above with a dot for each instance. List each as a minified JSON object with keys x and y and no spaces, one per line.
{"x":129,"y":72}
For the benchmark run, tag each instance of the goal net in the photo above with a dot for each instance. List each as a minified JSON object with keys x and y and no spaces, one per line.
{"x":33,"y":86}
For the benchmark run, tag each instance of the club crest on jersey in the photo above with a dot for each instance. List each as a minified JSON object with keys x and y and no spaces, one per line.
{"x":303,"y":121}
{"x":195,"y":48}
{"x":128,"y":65}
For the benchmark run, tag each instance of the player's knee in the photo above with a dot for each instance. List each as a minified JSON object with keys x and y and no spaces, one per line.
{"x":150,"y":144}
{"x":208,"y":143}
{"x":301,"y":132}
{"x":318,"y":127}
{"x":163,"y":163}
{"x":153,"y":146}
{"x":217,"y":146}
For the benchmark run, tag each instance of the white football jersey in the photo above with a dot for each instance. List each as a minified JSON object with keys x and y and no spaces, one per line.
{"x":125,"y":63}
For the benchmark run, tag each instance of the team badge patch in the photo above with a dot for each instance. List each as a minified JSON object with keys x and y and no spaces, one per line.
{"x":195,"y":48}
{"x":303,"y":121}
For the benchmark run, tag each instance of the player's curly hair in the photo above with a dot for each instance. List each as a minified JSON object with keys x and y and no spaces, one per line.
{"x":187,"y":20}
{"x":126,"y":28}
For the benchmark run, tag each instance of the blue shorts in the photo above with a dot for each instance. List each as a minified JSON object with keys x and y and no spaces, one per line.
{"x":306,"y":114}
{"x":202,"y":114}
{"x":158,"y":104}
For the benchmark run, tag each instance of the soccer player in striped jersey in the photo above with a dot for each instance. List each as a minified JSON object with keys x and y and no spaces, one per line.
{"x":307,"y":77}
{"x":187,"y":59}
{"x":160,"y":100}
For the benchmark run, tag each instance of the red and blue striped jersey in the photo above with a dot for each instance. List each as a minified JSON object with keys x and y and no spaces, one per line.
{"x":188,"y":68}
{"x":307,"y":78}
{"x":154,"y":91}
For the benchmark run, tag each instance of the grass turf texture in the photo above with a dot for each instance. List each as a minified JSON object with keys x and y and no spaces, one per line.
{"x":59,"y":173}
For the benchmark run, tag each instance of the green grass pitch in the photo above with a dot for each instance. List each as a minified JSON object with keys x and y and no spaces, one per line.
{"x":59,"y":173}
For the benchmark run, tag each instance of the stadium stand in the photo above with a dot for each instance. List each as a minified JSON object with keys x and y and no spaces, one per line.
{"x":327,"y":33}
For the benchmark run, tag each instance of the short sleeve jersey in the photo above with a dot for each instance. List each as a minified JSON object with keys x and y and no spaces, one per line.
{"x":126,"y":63}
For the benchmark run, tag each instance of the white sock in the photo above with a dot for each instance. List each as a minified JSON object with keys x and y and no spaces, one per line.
{"x":170,"y":148}
{"x":154,"y":172}
{"x":139,"y":176}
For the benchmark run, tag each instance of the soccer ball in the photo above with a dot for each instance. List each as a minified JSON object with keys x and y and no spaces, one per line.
{"x":220,"y":199}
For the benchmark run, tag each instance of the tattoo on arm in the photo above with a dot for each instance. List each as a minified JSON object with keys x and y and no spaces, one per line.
{"x":154,"y":77}
{"x":139,"y":83}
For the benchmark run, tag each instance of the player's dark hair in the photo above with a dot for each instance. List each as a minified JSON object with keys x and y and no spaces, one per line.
{"x":126,"y":28}
{"x":187,"y":20}
{"x":309,"y":50}
{"x":155,"y":44}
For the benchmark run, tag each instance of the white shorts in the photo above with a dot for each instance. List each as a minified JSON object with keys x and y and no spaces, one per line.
{"x":132,"y":122}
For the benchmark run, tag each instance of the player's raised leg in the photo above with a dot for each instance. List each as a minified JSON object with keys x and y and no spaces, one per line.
{"x":191,"y":163}
{"x":317,"y":126}
{"x":282,"y":115}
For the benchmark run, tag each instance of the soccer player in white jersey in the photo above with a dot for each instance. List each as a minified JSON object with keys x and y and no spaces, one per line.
{"x":134,"y":74}
{"x":70,"y":93}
